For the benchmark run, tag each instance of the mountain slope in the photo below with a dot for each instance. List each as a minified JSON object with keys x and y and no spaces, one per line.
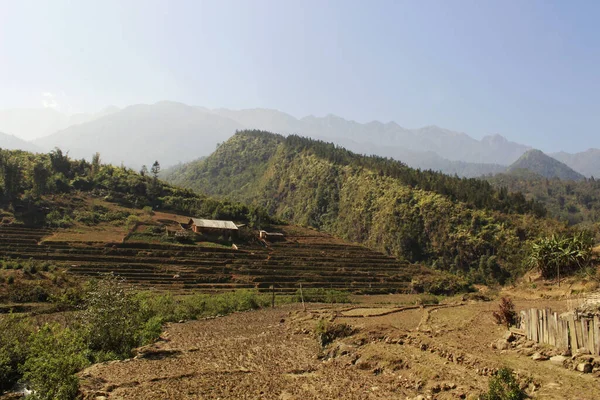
{"x":453,"y":146}
{"x":537,"y":162}
{"x":39,"y":122}
{"x":11,"y":142}
{"x":166,"y":131}
{"x":420,"y":216}
{"x":586,"y":162}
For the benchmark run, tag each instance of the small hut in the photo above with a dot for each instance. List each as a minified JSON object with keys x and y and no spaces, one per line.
{"x":213,"y":227}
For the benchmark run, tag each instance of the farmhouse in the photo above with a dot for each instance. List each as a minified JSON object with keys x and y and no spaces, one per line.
{"x":213,"y":227}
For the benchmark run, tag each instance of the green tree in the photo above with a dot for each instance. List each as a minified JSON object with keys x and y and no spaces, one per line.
{"x":40,"y":178}
{"x":95,"y":164}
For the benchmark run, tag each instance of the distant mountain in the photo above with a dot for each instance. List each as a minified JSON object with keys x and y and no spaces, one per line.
{"x":586,"y":162}
{"x":174,"y":132}
{"x":35,"y":123}
{"x":539,"y":163}
{"x":166,"y":131}
{"x":426,"y":148}
{"x":11,"y":142}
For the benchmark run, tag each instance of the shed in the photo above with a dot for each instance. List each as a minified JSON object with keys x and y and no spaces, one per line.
{"x":271,"y":236}
{"x":212,"y":226}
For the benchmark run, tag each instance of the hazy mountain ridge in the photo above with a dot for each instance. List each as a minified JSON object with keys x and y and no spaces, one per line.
{"x":11,"y":142}
{"x":586,"y":162}
{"x":140,"y":134}
{"x":35,"y":123}
{"x":174,"y":132}
{"x":539,"y":163}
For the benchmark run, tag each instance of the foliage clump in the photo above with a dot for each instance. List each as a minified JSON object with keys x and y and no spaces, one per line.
{"x":506,"y":314}
{"x":561,"y":254}
{"x":504,"y":386}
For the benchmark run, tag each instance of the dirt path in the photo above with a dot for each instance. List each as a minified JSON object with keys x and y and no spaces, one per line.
{"x":272,"y":354}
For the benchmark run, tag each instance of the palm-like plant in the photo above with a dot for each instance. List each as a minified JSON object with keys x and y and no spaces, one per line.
{"x":561,"y":253}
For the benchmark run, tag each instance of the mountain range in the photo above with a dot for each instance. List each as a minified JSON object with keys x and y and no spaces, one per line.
{"x":174,"y":132}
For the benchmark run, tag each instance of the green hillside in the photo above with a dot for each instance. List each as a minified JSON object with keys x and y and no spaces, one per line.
{"x":539,"y":163}
{"x":459,"y":225}
{"x":40,"y":189}
{"x":574,"y":202}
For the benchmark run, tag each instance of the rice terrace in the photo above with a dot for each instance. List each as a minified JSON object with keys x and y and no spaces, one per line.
{"x":299,"y":199}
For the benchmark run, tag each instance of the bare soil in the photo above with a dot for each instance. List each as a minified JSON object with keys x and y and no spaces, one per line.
{"x":439,"y":352}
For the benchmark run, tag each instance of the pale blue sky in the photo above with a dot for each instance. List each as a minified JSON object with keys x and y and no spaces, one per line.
{"x":528,"y":70}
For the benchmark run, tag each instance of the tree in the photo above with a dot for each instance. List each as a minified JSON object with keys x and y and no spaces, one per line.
{"x":144,"y":170}
{"x":95,"y":163}
{"x":60,"y":162}
{"x":40,"y":178}
{"x":155,"y":169}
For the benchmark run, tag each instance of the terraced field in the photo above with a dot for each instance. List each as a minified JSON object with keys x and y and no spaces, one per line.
{"x":312,"y":258}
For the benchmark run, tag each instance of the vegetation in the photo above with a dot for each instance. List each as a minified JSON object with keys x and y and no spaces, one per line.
{"x":504,"y":386}
{"x":30,"y":182}
{"x":544,"y":165}
{"x":506,"y":314}
{"x":561,"y":254}
{"x":112,"y":321}
{"x":463,"y":226}
{"x":574,"y":202}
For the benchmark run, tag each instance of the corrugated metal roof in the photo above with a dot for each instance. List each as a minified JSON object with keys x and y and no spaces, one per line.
{"x":214,"y":224}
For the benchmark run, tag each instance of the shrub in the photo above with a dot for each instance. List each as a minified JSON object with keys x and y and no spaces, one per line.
{"x":506,"y":314}
{"x":10,"y":280}
{"x":54,"y":356}
{"x":327,"y":331}
{"x":504,"y":386}
{"x":13,"y":346}
{"x":561,"y":254}
{"x":112,"y":317}
{"x":425,"y":299}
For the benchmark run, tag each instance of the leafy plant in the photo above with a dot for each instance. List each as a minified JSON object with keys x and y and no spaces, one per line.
{"x":561,"y":254}
{"x":13,"y":345}
{"x":504,"y":386}
{"x":54,"y":355}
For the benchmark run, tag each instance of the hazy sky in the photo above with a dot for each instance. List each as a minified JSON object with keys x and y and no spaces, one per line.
{"x":528,"y":70}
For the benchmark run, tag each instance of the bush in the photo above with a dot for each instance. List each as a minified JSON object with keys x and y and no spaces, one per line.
{"x":10,"y":280}
{"x":506,"y":314}
{"x":562,"y":254}
{"x":504,"y":386}
{"x":112,"y":317}
{"x":54,"y":356}
{"x":425,"y":299}
{"x":327,"y":331}
{"x":13,"y":346}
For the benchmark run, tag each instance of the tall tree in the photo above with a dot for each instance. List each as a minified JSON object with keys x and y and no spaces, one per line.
{"x":95,"y":163}
{"x":40,"y":178}
{"x":155,"y":169}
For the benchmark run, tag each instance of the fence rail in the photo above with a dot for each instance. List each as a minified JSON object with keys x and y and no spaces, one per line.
{"x":565,"y":331}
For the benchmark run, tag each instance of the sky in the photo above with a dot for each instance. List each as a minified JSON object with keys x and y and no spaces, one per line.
{"x":528,"y":70}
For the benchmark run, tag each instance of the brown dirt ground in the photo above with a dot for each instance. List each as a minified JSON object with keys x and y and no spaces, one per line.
{"x":440,"y":353}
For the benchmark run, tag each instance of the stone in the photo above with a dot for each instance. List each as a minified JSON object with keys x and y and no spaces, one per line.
{"x":502,"y":345}
{"x":582,"y":352}
{"x":586,"y":368}
{"x":539,"y":357}
{"x":509,"y":337}
{"x":558,"y":360}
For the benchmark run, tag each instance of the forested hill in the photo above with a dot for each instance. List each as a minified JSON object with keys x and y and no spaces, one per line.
{"x":462,"y":225}
{"x":539,"y":163}
{"x":30,"y":184}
